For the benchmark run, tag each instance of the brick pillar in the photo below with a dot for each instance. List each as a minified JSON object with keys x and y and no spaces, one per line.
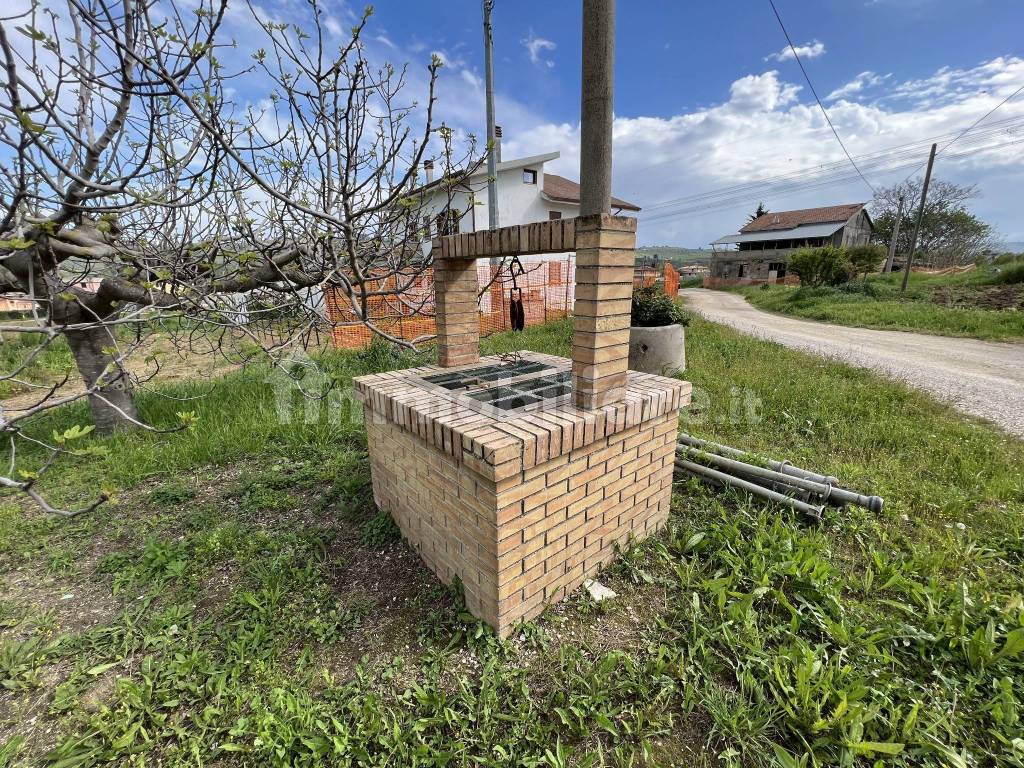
{"x":458,"y":324}
{"x":605,"y":252}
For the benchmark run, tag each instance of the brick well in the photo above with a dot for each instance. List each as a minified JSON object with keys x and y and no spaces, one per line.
{"x":522,"y":477}
{"x":522,"y":507}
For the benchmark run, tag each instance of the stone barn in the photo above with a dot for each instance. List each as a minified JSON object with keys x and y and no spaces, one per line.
{"x":759,"y":252}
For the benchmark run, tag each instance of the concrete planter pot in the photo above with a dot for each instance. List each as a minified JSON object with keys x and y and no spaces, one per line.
{"x":659,"y":349}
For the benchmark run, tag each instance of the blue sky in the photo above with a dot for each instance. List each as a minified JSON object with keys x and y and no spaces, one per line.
{"x":712,"y":114}
{"x":675,"y":56}
{"x":706,"y":98}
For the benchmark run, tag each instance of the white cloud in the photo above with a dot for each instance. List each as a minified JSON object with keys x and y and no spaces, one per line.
{"x":535,"y":48}
{"x":762,"y":130}
{"x":810,"y":50}
{"x":758,"y":93}
{"x":866,"y":79}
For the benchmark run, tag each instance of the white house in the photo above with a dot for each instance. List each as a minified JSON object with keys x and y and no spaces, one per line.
{"x":526,"y":194}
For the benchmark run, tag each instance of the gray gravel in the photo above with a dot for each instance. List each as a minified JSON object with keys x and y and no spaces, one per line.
{"x":981,"y":378}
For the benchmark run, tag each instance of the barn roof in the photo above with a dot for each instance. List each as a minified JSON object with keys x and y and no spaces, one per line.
{"x":807,"y":231}
{"x":782,"y":220}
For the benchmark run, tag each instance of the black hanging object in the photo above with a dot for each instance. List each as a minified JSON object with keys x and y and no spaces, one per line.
{"x":516,"y":314}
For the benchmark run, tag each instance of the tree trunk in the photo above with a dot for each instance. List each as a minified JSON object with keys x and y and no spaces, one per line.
{"x":112,"y":403}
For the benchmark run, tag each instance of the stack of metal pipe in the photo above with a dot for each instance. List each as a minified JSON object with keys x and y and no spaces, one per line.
{"x":778,"y":481}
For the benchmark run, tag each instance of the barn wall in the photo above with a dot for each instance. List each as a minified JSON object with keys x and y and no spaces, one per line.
{"x":857,"y":230}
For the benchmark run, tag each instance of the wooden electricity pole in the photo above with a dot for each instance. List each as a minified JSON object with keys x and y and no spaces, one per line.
{"x":492,"y":160}
{"x":895,"y":236}
{"x":596,"y":107}
{"x":920,"y":215}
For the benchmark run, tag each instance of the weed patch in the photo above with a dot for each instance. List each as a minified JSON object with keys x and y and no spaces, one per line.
{"x":981,"y":304}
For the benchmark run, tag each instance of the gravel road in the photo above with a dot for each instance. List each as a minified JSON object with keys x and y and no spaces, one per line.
{"x":982,"y":378}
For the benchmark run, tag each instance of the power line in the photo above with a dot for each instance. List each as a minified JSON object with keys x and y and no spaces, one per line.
{"x":813,"y":91}
{"x":897,"y":151}
{"x":783,"y":187}
{"x":883,"y":162}
{"x":965,"y":130}
{"x":795,"y":187}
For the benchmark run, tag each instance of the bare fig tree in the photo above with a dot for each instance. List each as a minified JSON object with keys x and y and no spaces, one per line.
{"x":140,"y":200}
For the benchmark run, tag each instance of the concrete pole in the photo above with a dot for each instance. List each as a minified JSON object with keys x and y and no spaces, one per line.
{"x":492,"y":165}
{"x":596,"y":107}
{"x":895,"y":236}
{"x":920,"y":215}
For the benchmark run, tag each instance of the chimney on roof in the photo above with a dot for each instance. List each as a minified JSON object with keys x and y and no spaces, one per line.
{"x":497,"y":143}
{"x":428,"y":169}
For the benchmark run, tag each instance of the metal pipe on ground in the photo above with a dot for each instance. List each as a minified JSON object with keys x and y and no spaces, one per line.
{"x":779,"y":466}
{"x":824,"y":490}
{"x":838,"y":495}
{"x":751,"y":488}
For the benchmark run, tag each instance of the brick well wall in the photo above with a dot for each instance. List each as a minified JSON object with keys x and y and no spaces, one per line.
{"x":433,"y":497}
{"x":526,"y":540}
{"x":581,"y":506}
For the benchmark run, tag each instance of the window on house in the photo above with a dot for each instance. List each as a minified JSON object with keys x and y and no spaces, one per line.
{"x":554,"y":215}
{"x":529,"y":177}
{"x":447,"y":222}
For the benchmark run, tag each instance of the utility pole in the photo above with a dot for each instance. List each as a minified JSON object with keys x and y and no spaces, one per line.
{"x":596,"y":107}
{"x":895,"y":236}
{"x":492,"y":164}
{"x":920,"y":215}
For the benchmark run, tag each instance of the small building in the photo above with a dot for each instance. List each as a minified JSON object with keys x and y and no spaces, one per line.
{"x":760,"y":251}
{"x":694,"y":269}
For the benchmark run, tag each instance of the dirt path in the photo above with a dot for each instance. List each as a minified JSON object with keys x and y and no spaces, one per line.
{"x":982,"y":378}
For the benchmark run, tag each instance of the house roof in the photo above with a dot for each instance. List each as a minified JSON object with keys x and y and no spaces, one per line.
{"x":479,"y":168}
{"x":563,"y":190}
{"x":556,"y":188}
{"x":506,"y":165}
{"x":784,"y":220}
{"x":793,"y":233}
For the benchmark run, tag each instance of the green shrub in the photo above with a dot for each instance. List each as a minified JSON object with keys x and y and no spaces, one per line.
{"x":859,"y":289}
{"x":821,"y":266}
{"x":865,"y":259}
{"x":1011,"y":275}
{"x":652,"y":308}
{"x":378,"y":531}
{"x":1008,"y":258}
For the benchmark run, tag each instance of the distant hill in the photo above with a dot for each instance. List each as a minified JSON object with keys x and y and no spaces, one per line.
{"x":676,"y":254}
{"x":1012,"y":247}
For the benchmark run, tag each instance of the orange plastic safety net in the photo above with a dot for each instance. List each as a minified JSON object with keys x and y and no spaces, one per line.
{"x":548,"y":292}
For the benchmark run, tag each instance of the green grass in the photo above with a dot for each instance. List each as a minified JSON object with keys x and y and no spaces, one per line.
{"x":251,"y":607}
{"x":980,"y":304}
{"x":39,"y":365}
